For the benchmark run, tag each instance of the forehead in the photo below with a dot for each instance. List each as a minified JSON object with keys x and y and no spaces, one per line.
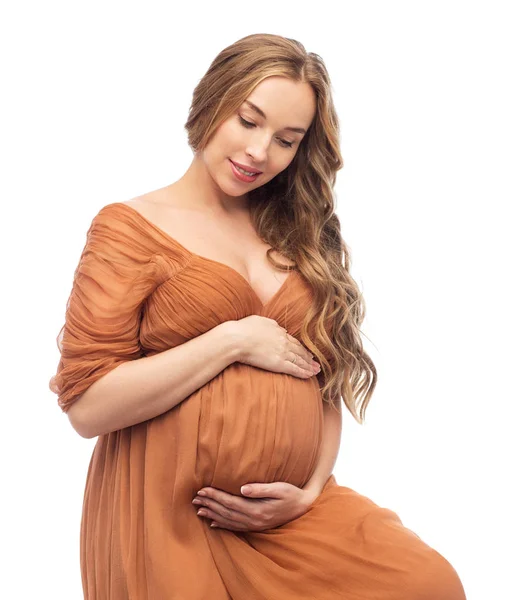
{"x":284,"y":102}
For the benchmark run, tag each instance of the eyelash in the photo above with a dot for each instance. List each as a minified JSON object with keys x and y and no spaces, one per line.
{"x":249,"y":125}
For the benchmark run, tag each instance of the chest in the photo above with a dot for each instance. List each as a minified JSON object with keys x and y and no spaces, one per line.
{"x":231,"y":242}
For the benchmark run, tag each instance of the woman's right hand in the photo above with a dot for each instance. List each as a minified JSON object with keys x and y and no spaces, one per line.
{"x":265,"y":344}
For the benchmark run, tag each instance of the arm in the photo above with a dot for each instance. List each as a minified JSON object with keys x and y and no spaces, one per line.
{"x":103,"y":380}
{"x":332,"y":428}
{"x":144,"y":388}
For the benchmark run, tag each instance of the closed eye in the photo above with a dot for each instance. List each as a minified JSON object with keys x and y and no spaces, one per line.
{"x":249,"y":125}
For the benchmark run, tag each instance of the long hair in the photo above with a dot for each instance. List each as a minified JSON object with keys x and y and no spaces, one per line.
{"x":294,"y":212}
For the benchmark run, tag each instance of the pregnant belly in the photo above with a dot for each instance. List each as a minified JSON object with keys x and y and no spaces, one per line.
{"x":257,"y":426}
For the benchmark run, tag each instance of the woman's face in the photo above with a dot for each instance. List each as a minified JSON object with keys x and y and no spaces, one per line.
{"x":263,"y":140}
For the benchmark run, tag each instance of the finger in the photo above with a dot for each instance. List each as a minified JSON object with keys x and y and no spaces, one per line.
{"x":222,"y":521}
{"x":300,"y":361}
{"x":234,"y":503}
{"x":293,"y":340}
{"x":299,"y":367}
{"x":301,"y":350}
{"x":276,"y":490}
{"x":227,"y":513}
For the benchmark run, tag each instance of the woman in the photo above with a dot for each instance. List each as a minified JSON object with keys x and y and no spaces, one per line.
{"x":188,"y":348}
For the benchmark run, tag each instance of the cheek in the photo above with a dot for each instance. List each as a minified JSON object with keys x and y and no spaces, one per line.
{"x":230,"y":134}
{"x":279,"y":166}
{"x":220,"y":146}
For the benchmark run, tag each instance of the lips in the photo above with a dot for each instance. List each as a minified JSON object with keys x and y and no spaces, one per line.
{"x":240,"y":176}
{"x":246,"y":167}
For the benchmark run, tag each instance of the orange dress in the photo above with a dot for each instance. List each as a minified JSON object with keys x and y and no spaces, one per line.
{"x":137,"y":291}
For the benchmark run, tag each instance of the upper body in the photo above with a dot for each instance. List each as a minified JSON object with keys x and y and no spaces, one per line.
{"x":226,"y":236}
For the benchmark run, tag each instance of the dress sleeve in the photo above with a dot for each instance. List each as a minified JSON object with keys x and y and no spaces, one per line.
{"x":115,"y":274}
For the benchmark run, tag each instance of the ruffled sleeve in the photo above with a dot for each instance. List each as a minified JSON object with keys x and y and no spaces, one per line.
{"x":116,"y":272}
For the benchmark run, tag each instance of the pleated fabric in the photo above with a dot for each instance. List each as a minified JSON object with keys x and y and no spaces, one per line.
{"x":136,"y":292}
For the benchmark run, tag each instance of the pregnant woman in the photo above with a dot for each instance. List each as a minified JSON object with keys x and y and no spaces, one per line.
{"x":210,"y":335}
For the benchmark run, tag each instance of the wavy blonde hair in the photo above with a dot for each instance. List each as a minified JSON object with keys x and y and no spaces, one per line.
{"x":294,"y":212}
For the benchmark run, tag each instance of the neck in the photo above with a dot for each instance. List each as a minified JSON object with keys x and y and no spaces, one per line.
{"x":197,"y":190}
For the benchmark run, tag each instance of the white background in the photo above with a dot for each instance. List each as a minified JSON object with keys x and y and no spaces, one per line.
{"x":431,"y":98}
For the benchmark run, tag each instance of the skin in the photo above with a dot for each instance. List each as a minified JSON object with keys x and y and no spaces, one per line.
{"x":209,"y":186}
{"x":268,"y":505}
{"x":206,"y":209}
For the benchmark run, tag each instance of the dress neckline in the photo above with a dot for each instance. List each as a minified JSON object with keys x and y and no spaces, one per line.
{"x":205,"y":259}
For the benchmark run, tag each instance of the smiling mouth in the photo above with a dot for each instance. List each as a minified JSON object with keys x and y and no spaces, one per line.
{"x":240,"y":175}
{"x":245,"y":171}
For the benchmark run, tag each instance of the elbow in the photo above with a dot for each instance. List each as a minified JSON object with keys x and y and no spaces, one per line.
{"x":78,"y":420}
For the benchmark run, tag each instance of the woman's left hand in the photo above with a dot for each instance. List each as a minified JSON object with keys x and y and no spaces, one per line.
{"x":263,"y":506}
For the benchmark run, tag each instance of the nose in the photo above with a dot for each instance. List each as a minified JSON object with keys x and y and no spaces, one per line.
{"x":257,"y":155}
{"x":257,"y":149}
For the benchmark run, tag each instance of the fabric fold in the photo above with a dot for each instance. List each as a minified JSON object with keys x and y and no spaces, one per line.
{"x":138,"y":292}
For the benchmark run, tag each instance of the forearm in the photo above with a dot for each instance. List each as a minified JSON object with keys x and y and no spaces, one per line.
{"x":332,"y":429}
{"x":144,"y":388}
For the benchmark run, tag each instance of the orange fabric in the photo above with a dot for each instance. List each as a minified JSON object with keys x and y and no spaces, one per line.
{"x":137,"y":291}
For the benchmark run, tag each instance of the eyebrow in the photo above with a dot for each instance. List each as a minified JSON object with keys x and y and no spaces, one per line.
{"x":261,"y":113}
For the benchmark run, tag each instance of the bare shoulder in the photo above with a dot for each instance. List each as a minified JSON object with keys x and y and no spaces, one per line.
{"x":145,"y":200}
{"x":149,"y":204}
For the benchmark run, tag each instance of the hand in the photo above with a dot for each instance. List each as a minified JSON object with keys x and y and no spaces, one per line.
{"x":265,"y":506}
{"x":267,"y":345}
